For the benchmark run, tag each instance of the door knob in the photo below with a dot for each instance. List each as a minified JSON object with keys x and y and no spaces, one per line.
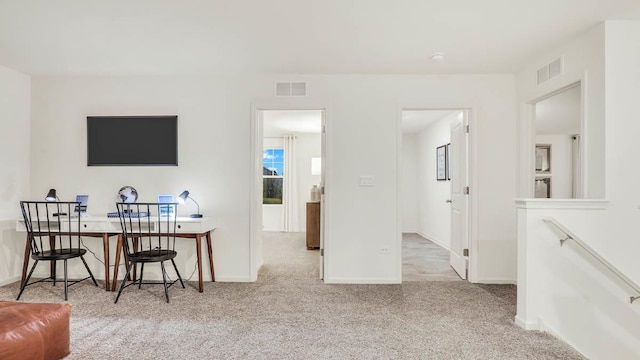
{"x":449,"y":201}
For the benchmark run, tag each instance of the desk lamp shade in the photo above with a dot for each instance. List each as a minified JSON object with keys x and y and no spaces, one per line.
{"x":183,"y":197}
{"x":51,"y":195}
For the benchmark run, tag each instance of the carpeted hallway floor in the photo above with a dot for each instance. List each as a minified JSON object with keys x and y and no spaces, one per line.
{"x":290,"y":314}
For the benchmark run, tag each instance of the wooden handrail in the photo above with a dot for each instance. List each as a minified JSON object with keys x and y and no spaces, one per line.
{"x":564,"y":235}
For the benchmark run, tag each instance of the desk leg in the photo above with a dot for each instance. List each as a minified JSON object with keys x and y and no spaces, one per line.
{"x":135,"y":266}
{"x":199,"y":255}
{"x":52,"y":264}
{"x":105,"y":245}
{"x":25,"y":263}
{"x":116,"y":264}
{"x":209,"y":248}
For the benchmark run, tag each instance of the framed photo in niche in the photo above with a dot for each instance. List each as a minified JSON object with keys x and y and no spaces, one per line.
{"x":542,"y":188}
{"x":543,"y":158}
{"x":441,"y":163}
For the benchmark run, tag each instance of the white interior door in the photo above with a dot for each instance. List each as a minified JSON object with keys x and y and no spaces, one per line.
{"x":459,"y":196}
{"x":323,"y":172}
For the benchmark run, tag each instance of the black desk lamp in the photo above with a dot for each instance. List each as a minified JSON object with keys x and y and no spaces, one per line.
{"x":183,"y":197}
{"x":52,"y":197}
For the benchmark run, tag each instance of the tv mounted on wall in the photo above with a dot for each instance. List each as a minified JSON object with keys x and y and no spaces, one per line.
{"x":132,"y":140}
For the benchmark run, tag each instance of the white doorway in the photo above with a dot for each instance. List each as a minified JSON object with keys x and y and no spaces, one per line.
{"x":288,"y":154}
{"x":434,"y":239}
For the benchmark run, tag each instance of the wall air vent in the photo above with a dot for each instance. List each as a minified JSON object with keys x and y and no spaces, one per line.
{"x":550,"y":70}
{"x":291,"y":89}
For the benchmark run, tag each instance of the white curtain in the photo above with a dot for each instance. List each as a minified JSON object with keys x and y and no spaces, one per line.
{"x":290,"y":196}
{"x":576,"y":167}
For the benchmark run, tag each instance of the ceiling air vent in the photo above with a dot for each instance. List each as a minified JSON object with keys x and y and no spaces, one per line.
{"x":550,"y":70}
{"x":291,"y":89}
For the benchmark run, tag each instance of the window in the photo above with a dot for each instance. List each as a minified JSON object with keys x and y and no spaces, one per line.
{"x":272,"y":175}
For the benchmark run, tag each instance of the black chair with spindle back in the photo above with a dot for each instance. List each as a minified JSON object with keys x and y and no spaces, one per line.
{"x":53,"y":236}
{"x":149,"y":234}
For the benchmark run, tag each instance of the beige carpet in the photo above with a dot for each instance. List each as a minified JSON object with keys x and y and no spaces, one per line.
{"x":289,"y":314}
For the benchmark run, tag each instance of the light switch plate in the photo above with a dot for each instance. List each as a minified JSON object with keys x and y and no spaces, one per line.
{"x":366,"y":180}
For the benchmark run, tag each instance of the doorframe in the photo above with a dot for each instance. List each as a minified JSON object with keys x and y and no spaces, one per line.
{"x":472,"y":171}
{"x":527,"y":141}
{"x":255,"y":143}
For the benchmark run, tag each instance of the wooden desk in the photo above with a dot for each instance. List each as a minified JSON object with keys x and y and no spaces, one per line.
{"x":188,"y":228}
{"x":105,"y":227}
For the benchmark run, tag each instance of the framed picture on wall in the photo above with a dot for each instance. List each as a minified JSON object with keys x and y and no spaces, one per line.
{"x":543,"y":158}
{"x":543,"y":188}
{"x":441,"y":163}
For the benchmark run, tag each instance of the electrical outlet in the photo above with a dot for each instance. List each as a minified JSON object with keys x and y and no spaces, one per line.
{"x":384,"y":250}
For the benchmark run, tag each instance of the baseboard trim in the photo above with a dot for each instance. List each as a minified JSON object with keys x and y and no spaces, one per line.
{"x":372,"y":281}
{"x":10,"y":280}
{"x":497,"y":281}
{"x":542,"y":326}
{"x":431,"y":238}
{"x":232,"y":279}
{"x":527,"y":325}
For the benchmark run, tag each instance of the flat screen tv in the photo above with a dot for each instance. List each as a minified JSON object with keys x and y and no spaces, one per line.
{"x":132,"y":140}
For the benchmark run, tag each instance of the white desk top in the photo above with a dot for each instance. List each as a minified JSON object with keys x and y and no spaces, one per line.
{"x":104,"y":224}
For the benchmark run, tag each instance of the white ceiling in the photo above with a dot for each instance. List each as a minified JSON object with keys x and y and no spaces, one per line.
{"x":127,"y":37}
{"x":277,"y":123}
{"x":559,"y":114}
{"x":414,"y":121}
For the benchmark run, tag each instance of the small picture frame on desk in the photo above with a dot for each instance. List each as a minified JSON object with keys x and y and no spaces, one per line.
{"x":166,"y":210}
{"x":81,"y":210}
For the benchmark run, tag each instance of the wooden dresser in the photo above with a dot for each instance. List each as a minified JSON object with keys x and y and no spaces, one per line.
{"x":313,"y":225}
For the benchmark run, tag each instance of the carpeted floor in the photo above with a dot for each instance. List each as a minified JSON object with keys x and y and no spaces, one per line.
{"x":290,"y":314}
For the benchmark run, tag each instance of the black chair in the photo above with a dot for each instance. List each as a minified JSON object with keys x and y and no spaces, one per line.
{"x":53,"y":235}
{"x":149,"y":234}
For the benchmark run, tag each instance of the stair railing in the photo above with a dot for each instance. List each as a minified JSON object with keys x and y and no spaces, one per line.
{"x":564,"y":235}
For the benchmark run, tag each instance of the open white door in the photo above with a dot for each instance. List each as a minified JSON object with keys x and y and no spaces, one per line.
{"x":459,"y":195}
{"x":323,"y":172}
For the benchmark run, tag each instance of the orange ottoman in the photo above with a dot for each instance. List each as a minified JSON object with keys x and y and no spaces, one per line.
{"x":34,"y":331}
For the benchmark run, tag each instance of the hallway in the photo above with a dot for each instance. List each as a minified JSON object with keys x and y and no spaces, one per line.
{"x":424,"y":260}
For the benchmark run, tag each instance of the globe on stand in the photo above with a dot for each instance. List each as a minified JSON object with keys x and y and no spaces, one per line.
{"x":127,"y":194}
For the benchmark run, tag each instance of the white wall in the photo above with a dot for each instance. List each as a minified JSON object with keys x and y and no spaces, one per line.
{"x":583,"y":61}
{"x":560,"y":290}
{"x":561,"y":176}
{"x":215,"y":160}
{"x":273,"y":214}
{"x":622,"y":130}
{"x":15,"y":102}
{"x":213,"y":118}
{"x":409,"y":183}
{"x":434,"y":213}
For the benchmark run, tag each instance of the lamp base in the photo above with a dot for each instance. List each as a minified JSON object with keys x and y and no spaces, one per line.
{"x":195,"y":216}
